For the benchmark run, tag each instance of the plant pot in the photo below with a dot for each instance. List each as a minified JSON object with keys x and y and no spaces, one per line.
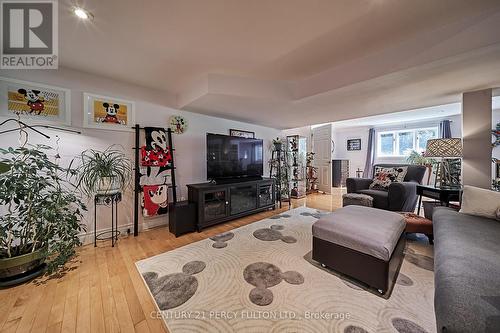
{"x":108,"y":185}
{"x":12,"y":267}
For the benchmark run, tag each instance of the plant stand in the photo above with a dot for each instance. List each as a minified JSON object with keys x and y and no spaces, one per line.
{"x":107,"y":200}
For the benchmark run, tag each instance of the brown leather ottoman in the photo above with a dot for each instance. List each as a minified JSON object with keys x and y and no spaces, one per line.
{"x":417,"y":223}
{"x":364,"y":243}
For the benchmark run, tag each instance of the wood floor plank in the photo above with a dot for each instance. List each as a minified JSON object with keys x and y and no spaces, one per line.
{"x":31,"y":309}
{"x":71,"y":303}
{"x":108,"y":302}
{"x":57,"y":311}
{"x":21,"y":302}
{"x":9,"y":297}
{"x":45,"y":306}
{"x":83,"y":308}
{"x":123,"y":313}
{"x":133,"y":303}
{"x":132,"y":254}
{"x":96,"y":307}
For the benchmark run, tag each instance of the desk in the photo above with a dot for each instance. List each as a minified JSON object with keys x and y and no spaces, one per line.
{"x":444,"y":195}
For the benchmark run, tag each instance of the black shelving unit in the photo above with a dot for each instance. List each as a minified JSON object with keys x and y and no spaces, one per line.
{"x":137,"y":173}
{"x":280,"y":158}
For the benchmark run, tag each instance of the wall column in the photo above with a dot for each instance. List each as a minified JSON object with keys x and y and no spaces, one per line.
{"x":476,"y":131}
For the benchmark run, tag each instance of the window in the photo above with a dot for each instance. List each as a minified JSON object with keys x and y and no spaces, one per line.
{"x":401,"y":143}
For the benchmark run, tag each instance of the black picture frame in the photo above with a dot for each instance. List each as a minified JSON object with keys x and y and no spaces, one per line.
{"x":353,"y":144}
{"x":242,"y":133}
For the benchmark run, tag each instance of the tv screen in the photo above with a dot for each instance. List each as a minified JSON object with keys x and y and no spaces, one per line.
{"x":232,"y":157}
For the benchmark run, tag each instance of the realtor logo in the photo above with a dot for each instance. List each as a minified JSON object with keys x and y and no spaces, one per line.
{"x":29,"y":34}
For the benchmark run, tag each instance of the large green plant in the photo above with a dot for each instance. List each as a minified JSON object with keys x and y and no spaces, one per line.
{"x":97,"y":165}
{"x":40,"y":210}
{"x":417,"y":158}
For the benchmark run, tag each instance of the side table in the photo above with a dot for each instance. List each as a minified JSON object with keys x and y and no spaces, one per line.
{"x":112,"y":200}
{"x":442,"y":194}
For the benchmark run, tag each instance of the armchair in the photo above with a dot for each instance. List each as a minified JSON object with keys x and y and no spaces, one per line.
{"x":401,"y":197}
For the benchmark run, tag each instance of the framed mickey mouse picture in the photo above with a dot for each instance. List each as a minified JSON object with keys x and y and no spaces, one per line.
{"x":109,"y":113}
{"x":34,"y":101}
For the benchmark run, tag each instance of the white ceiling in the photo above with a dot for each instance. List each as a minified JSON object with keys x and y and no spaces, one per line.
{"x":408,"y":116}
{"x":289,"y":63}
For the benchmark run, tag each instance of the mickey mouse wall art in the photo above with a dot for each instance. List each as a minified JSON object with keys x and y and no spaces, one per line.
{"x":109,"y":113}
{"x":35,"y":101}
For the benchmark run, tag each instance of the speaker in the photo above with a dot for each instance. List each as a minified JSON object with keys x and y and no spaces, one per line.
{"x":182,"y":218}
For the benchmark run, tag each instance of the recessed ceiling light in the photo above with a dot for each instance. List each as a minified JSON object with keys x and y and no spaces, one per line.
{"x":82,"y":13}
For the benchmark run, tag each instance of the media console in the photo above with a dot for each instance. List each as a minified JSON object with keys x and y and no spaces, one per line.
{"x":217,"y":203}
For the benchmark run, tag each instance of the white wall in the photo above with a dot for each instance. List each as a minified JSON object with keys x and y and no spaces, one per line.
{"x":358,"y":158}
{"x":152,"y":109}
{"x":476,"y":119}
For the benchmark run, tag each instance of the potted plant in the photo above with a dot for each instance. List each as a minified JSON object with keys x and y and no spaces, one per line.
{"x":417,"y":158}
{"x":103,"y":172}
{"x":41,"y":214}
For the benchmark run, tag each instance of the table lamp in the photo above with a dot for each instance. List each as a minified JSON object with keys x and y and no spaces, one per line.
{"x":449,"y":168}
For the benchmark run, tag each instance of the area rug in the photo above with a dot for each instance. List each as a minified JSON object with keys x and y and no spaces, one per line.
{"x":260,"y":278}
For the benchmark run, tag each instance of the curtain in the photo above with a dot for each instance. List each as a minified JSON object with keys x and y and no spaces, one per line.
{"x":370,"y":154}
{"x":445,"y":129}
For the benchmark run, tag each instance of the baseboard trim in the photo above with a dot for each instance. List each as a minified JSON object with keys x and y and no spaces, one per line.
{"x":88,"y":237}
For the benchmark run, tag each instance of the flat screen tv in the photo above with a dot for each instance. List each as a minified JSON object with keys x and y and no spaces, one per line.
{"x":233,"y":157}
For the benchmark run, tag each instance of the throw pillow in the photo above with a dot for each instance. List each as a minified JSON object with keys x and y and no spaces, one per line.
{"x":385,"y":176}
{"x":480,"y":202}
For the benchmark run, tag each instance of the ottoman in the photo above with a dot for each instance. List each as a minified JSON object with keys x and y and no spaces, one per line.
{"x":357,"y":199}
{"x":417,"y":223}
{"x":362,"y":242}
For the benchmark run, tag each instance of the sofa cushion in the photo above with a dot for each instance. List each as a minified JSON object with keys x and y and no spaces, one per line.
{"x":367,"y":230}
{"x":480,"y":202}
{"x":467,"y":272}
{"x":384,"y":176}
{"x":380,"y":198}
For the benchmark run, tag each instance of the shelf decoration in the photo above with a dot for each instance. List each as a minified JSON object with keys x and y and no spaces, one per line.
{"x":496,"y":180}
{"x":311,"y":174}
{"x":178,"y":124}
{"x":242,"y":133}
{"x":297,"y":146}
{"x":155,"y":200}
{"x":107,"y":113}
{"x":496,"y":133}
{"x":35,"y":101}
{"x":353,"y":144}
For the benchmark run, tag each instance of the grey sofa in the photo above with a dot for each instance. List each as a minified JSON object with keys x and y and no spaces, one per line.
{"x":466,"y":272}
{"x":401,"y":197}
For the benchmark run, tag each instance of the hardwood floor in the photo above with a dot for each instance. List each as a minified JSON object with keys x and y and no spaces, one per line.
{"x":104,"y":292}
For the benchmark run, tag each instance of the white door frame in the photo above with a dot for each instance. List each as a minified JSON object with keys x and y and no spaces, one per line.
{"x":322,"y":147}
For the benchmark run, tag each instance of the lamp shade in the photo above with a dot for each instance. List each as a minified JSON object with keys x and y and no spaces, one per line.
{"x":444,"y":147}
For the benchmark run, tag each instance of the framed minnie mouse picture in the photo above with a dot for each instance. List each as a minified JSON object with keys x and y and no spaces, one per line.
{"x":109,"y":113}
{"x":35,"y":101}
